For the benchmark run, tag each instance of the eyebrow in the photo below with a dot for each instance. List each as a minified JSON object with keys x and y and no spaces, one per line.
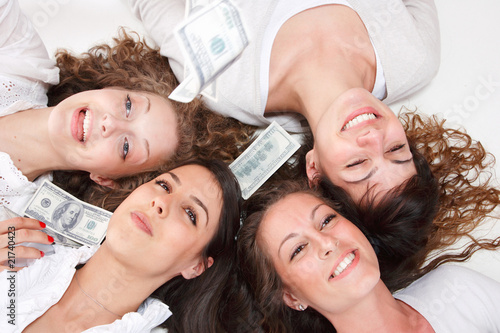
{"x":194,"y":198}
{"x":372,"y":172}
{"x":402,"y":162}
{"x":293,"y":234}
{"x":148,"y":105}
{"x":175,"y":178}
{"x":148,"y":152}
{"x":313,"y":212}
{"x":201,"y":204}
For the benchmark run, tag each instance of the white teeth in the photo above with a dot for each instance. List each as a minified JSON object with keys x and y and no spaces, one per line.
{"x":343,"y":264}
{"x":359,"y":119}
{"x":86,"y":125}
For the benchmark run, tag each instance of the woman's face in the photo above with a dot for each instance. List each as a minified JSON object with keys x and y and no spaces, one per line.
{"x":360,"y":143}
{"x":323,"y":260}
{"x":164,"y":225}
{"x":114,"y":132}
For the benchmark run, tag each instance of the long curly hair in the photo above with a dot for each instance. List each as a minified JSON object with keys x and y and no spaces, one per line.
{"x":463,"y":171}
{"x":131,"y":64}
{"x":467,"y":196}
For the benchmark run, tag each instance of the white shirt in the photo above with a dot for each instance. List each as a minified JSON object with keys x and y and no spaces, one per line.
{"x":41,"y":285}
{"x":25,"y":74}
{"x":405,"y":36}
{"x":455,"y":299}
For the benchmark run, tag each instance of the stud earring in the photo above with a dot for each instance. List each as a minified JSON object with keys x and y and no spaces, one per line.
{"x":301,"y":307}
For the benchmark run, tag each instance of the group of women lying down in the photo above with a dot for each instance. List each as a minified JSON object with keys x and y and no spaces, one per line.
{"x":352,"y":227}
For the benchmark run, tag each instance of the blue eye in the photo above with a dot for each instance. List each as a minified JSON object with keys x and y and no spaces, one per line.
{"x":191,"y":214}
{"x":165,"y":185}
{"x":327,"y":220}
{"x":297,"y":251}
{"x":128,"y":106}
{"x":126,"y":148}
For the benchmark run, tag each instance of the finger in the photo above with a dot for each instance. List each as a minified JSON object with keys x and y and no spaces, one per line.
{"x":24,"y":235}
{"x":17,"y":223}
{"x":8,"y":257}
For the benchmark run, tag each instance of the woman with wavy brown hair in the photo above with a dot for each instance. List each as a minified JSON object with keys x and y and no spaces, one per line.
{"x":107,"y":123}
{"x":311,"y":264}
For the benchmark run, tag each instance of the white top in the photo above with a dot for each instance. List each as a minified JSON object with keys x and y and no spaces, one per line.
{"x":25,"y":74}
{"x":455,"y":299}
{"x":41,"y":285}
{"x":405,"y":37}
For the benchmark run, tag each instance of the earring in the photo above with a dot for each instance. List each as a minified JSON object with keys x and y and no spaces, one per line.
{"x":301,"y":307}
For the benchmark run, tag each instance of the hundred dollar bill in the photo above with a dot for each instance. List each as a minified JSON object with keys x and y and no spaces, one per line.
{"x":273,"y":147}
{"x":69,"y":220}
{"x":212,"y":37}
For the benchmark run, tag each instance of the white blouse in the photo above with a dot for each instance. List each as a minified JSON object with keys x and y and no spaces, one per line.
{"x":26,"y":71}
{"x":41,"y":285}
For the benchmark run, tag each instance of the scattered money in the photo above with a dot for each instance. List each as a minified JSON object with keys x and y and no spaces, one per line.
{"x":212,"y":37}
{"x":273,"y":147}
{"x":69,"y":220}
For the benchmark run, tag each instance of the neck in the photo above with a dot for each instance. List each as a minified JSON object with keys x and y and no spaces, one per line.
{"x":381,"y":312}
{"x":25,"y":138}
{"x":115,"y":286}
{"x":307,"y":77}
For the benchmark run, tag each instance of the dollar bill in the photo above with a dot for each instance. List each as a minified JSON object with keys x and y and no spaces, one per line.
{"x":273,"y":147}
{"x":69,"y":220}
{"x":211,"y":37}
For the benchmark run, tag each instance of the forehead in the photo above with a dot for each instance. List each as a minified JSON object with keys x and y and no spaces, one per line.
{"x":290,"y":211}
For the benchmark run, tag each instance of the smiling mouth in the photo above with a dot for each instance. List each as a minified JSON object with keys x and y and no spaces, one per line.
{"x":359,"y":119}
{"x":343,"y":265}
{"x":83,"y":125}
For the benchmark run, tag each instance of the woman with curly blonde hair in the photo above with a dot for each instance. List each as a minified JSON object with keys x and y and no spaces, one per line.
{"x":107,"y":123}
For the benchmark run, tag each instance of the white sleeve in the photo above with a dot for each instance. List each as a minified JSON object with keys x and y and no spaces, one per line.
{"x":160,"y":18}
{"x":22,"y":52}
{"x":455,"y":299}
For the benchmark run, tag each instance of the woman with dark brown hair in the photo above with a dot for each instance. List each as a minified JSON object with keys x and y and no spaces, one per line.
{"x":107,"y":123}
{"x":165,"y":255}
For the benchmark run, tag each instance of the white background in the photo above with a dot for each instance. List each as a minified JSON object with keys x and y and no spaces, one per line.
{"x":466,"y":89}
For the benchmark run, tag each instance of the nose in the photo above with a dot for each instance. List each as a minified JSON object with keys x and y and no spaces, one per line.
{"x":110,"y":124}
{"x":327,"y":245}
{"x":159,"y":205}
{"x":372,"y":139}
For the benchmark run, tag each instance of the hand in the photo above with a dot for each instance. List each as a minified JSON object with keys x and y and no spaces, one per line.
{"x":18,"y":230}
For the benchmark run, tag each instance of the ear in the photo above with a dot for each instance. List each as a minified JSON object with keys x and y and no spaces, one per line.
{"x":311,"y":170}
{"x":103,"y":181}
{"x":292,"y":302}
{"x":195,"y":270}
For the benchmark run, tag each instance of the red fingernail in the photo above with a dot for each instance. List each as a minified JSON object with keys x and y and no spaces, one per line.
{"x":42,"y":254}
{"x":51,"y":239}
{"x":42,"y":224}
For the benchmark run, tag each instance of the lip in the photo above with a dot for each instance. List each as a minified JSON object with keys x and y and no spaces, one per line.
{"x":141,"y":221}
{"x":349,"y":269}
{"x":77,"y":124}
{"x":358,"y":112}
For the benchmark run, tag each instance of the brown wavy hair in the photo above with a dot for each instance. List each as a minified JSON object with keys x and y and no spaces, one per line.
{"x":467,"y":196}
{"x":131,"y":64}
